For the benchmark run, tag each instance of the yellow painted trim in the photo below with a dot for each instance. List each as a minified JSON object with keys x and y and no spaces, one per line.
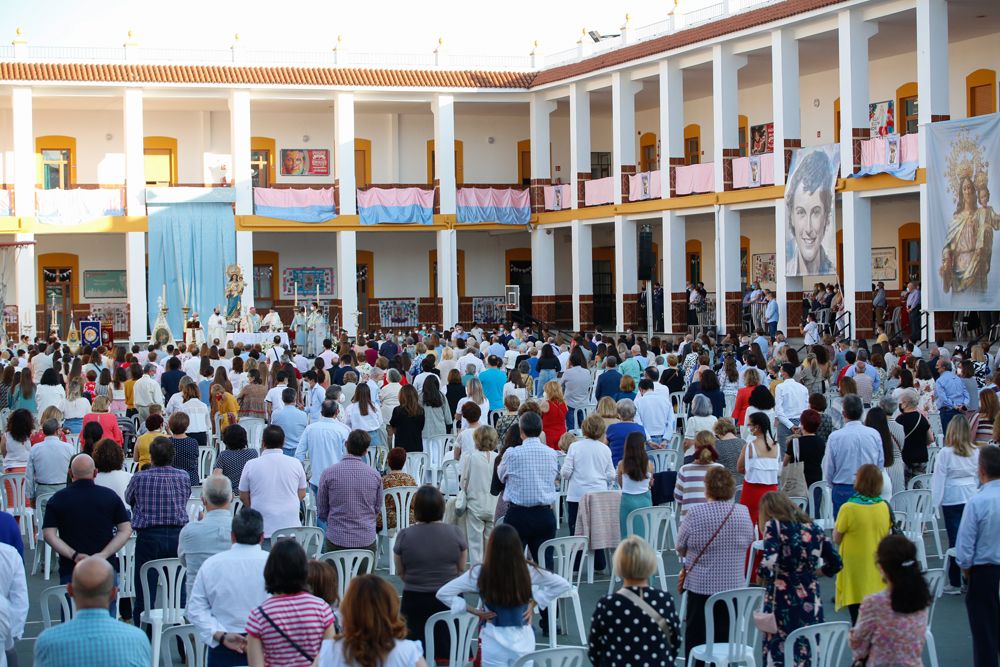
{"x":432,"y":259}
{"x":109,"y":224}
{"x":343,"y":223}
{"x":647,"y":139}
{"x":749,"y":194}
{"x":459,"y":162}
{"x":879,"y":182}
{"x":365,"y":145}
{"x":523,"y":146}
{"x":269,"y":257}
{"x":981,"y":77}
{"x":368,"y":257}
{"x":260,"y":144}
{"x":52,"y":143}
{"x":59,"y":260}
{"x":164,"y":144}
{"x":904,"y":91}
{"x":10,"y":223}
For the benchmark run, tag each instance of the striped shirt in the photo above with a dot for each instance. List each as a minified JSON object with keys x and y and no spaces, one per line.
{"x":158,"y":497}
{"x":690,"y":486}
{"x":93,"y":638}
{"x":303,"y":617}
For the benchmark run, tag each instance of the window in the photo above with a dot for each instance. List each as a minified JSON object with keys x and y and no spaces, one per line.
{"x":260,"y":167}
{"x":692,"y":144}
{"x":908,"y":115}
{"x":744,"y":135}
{"x":648,"y":153}
{"x":692,"y":250}
{"x":55,"y":169}
{"x":649,"y":158}
{"x":911,"y":259}
{"x":981,"y":92}
{"x":262,"y":294}
{"x":600,"y":165}
{"x":160,"y":161}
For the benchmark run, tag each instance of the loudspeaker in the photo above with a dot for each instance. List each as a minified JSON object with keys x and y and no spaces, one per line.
{"x":646,"y":268}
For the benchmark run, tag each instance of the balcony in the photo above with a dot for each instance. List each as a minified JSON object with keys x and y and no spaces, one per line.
{"x":753,"y":171}
{"x":893,"y":154}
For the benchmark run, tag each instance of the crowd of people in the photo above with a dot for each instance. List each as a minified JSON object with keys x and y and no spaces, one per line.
{"x":782,"y":458}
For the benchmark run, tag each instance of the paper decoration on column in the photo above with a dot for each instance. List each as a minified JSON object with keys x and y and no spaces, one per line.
{"x":810,"y":248}
{"x":307,"y":278}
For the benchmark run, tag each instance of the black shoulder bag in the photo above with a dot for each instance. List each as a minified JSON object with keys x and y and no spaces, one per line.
{"x":285,"y":636}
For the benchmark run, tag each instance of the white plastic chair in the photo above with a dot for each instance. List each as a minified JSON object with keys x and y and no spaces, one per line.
{"x":16,"y":503}
{"x":827,"y":643}
{"x":800,"y":502}
{"x":564,"y":552}
{"x":416,"y":465}
{"x":563,"y":656}
{"x":131,"y":466}
{"x":308,"y":507}
{"x":448,"y":482}
{"x":309,"y":537}
{"x":194,"y":508}
{"x":461,"y":635}
{"x":919,"y":482}
{"x":181,"y":646}
{"x":126,"y":569}
{"x":936,"y":579}
{"x":822,"y":515}
{"x":664,"y":460}
{"x":255,"y":431}
{"x":349,"y":563}
{"x":740,"y":646}
{"x":376,"y":455}
{"x":168,"y":610}
{"x":45,"y":548}
{"x":932,"y":453}
{"x":67,"y":607}
{"x":756,"y":547}
{"x":435,"y":449}
{"x":402,"y":499}
{"x":206,"y":461}
{"x":657,"y":529}
{"x":914,"y":509}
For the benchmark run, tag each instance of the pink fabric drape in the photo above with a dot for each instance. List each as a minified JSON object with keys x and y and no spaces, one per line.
{"x":695,"y":178}
{"x":396,"y":197}
{"x":636,"y":191}
{"x":549,"y":193}
{"x":741,"y":171}
{"x":599,"y":191}
{"x":873,"y":151}
{"x":506,"y":198}
{"x":286,"y":197}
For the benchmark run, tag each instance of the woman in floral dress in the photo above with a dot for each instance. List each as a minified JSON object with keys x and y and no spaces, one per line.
{"x":793,"y":546}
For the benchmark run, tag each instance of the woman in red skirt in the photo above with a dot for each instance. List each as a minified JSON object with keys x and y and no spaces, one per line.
{"x":759,"y":464}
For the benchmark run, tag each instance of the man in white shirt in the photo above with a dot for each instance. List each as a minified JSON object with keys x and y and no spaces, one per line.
{"x":153,"y":359}
{"x":146,"y":392}
{"x":230,"y":585}
{"x":273,"y":484}
{"x":276,"y":352}
{"x":791,"y":398}
{"x":654,"y":413}
{"x":313,"y":395}
{"x":328,"y":356}
{"x":300,"y":361}
{"x":192,"y":367}
{"x":469,"y":358}
{"x":48,"y":462}
{"x":323,"y":441}
{"x":41,"y":362}
{"x":273,"y":397}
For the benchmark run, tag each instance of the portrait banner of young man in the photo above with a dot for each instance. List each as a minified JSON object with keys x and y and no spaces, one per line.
{"x":962,"y":159}
{"x":810,"y":198}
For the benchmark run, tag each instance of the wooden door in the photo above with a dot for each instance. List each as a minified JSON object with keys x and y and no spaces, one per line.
{"x":525,"y":157}
{"x":360,"y":172}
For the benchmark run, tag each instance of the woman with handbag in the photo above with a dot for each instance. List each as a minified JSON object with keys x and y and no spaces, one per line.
{"x":861,"y":524}
{"x":758,"y":463}
{"x":793,"y":549}
{"x":638,"y":624}
{"x":713,"y":540}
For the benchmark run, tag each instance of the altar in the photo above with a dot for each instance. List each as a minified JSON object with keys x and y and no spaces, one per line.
{"x":262,"y":338}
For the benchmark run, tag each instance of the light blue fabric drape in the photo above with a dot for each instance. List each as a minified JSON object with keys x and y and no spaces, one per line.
{"x":190,"y":246}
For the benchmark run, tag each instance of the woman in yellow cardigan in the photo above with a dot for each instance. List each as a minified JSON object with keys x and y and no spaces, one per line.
{"x":225,"y":404}
{"x":861,"y":524}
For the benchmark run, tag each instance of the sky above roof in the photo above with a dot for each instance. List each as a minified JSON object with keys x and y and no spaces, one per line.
{"x":389,"y":26}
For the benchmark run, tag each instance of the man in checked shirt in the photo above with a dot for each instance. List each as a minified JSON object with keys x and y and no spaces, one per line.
{"x":158,"y":497}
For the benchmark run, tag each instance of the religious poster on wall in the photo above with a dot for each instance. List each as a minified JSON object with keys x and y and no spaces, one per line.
{"x":762,"y":139}
{"x":306,"y":279}
{"x":810,"y":245}
{"x":755,"y":171}
{"x":884,"y":264}
{"x":489,"y":309}
{"x":305,"y":162}
{"x":764,"y":268}
{"x":115,"y":314}
{"x":881,"y":118}
{"x":962,"y":159}
{"x":398,"y":313}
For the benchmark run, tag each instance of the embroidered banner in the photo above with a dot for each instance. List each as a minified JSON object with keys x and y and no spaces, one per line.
{"x":77,"y":206}
{"x":308,"y":205}
{"x":644,"y":185}
{"x":506,"y":206}
{"x":599,"y":191}
{"x":694,"y":178}
{"x":557,"y":197}
{"x":396,"y":205}
{"x":307,"y":279}
{"x":892,"y":154}
{"x":752,"y":172}
{"x":489,"y":309}
{"x":398,"y":313}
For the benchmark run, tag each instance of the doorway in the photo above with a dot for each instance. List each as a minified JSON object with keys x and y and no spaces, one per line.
{"x":57,"y":304}
{"x":604,"y":294}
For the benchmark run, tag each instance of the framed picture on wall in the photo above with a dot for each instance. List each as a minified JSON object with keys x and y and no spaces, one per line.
{"x":104,"y":284}
{"x":305,"y":162}
{"x":884,"y":264}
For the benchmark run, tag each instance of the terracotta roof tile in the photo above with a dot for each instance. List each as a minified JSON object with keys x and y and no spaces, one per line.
{"x":403,"y":78}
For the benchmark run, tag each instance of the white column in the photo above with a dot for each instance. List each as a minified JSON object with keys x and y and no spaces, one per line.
{"x":725,"y":105}
{"x":582,"y":246}
{"x":135,"y":204}
{"x":626,"y":266}
{"x":853,"y":33}
{"x":727,"y":262}
{"x":239,"y":144}
{"x":541,"y":161}
{"x":543,"y":261}
{"x":24,"y":206}
{"x":932,"y":86}
{"x":623,"y":140}
{"x":346,"y":279}
{"x":579,"y":138}
{"x":674,"y":275}
{"x":344,"y":162}
{"x":787,"y":125}
{"x":857,"y":220}
{"x":671,"y":123}
{"x":135,"y":277}
{"x":447,"y":275}
{"x":443,"y":107}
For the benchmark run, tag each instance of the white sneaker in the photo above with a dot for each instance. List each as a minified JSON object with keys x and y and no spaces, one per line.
{"x":952,"y":590}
